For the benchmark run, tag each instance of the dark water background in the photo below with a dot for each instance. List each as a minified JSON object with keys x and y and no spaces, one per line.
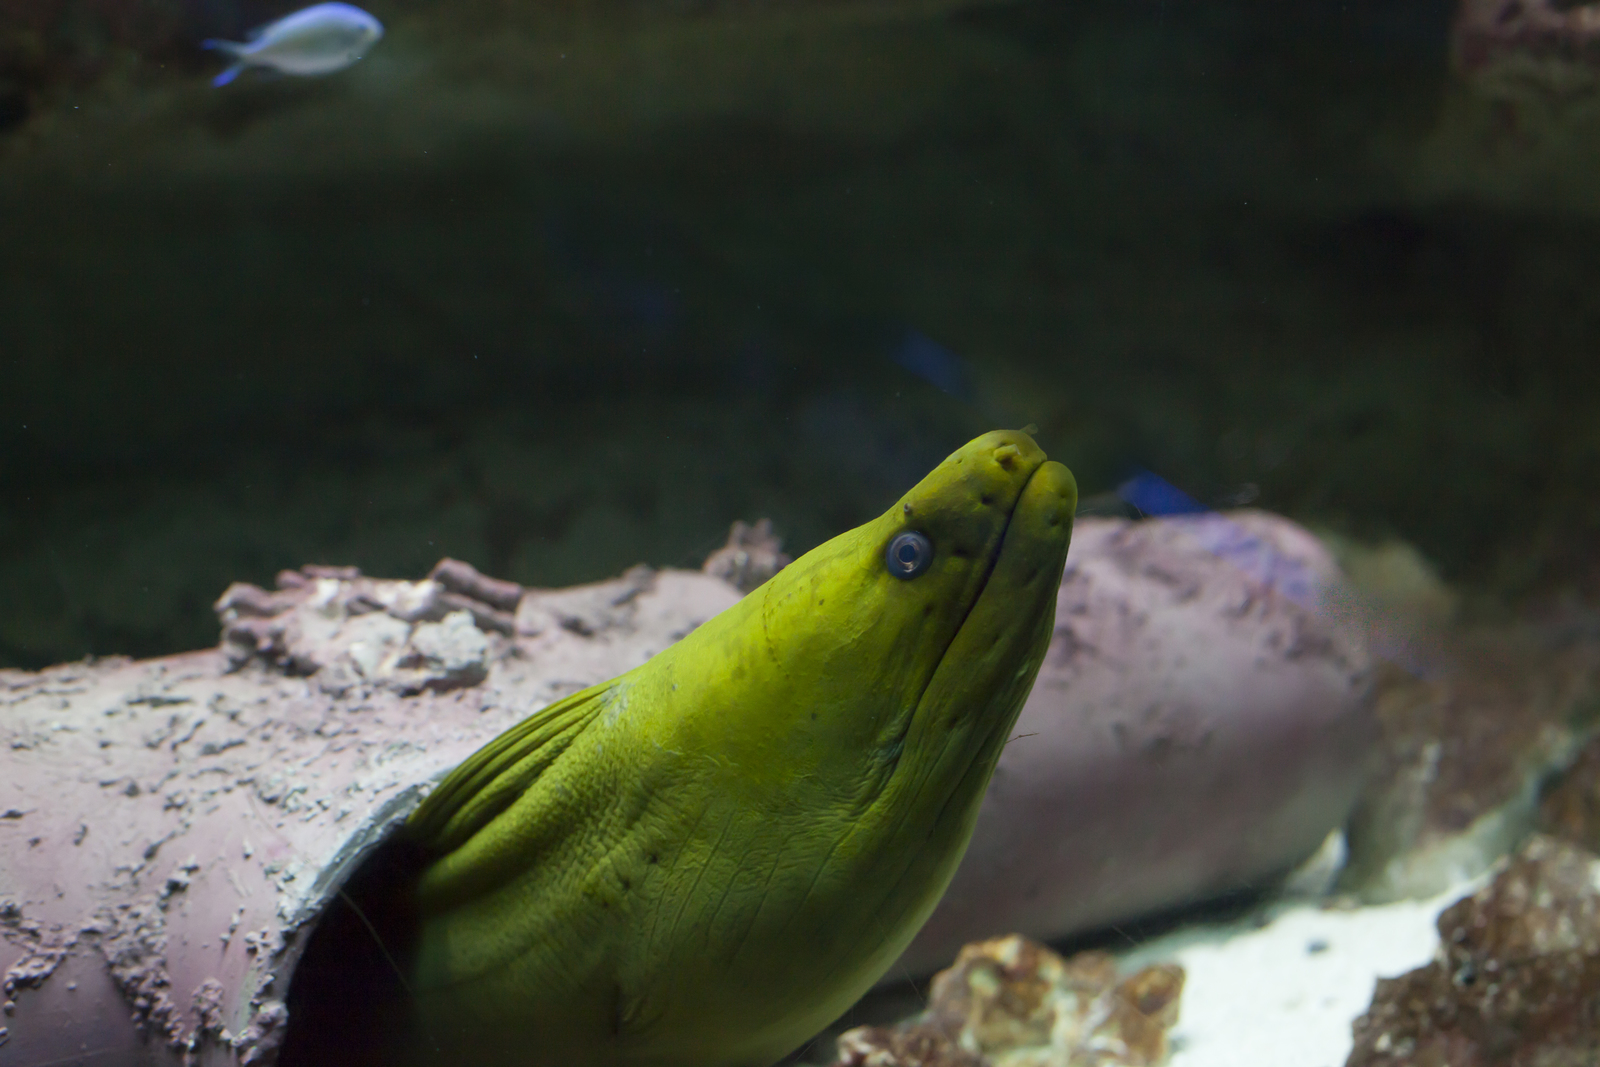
{"x":557,"y":289}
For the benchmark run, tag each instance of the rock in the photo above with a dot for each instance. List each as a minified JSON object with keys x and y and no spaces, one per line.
{"x":463,"y":578}
{"x":1514,"y":48}
{"x":1468,"y":736}
{"x":903,"y":1046}
{"x":752,"y":555}
{"x":626,"y":620}
{"x":1010,"y":1002}
{"x":171,"y":830}
{"x":1516,"y":980}
{"x":585,"y":610}
{"x":1473,"y":721}
{"x":1200,"y":724}
{"x":1398,"y":598}
{"x":348,"y":630}
{"x":1569,"y":809}
{"x":446,"y":654}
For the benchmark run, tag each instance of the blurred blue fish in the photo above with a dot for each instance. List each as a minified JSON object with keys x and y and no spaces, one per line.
{"x":1154,"y":495}
{"x":934,"y":364}
{"x":319,"y":39}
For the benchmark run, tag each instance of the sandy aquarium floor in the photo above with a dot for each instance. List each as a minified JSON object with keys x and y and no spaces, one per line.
{"x":1280,"y":988}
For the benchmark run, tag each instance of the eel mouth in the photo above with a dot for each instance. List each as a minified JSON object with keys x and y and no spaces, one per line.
{"x":1011,"y":546}
{"x":1009,"y":618}
{"x":990,"y":564}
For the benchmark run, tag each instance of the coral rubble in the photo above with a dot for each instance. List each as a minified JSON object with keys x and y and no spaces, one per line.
{"x":1515,"y":981}
{"x":1010,"y":1002}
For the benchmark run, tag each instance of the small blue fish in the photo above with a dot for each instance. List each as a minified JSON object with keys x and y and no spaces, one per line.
{"x":319,"y":39}
{"x":1154,"y":495}
{"x":934,"y":364}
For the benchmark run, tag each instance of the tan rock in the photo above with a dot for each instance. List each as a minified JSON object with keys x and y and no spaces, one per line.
{"x":1011,"y":1002}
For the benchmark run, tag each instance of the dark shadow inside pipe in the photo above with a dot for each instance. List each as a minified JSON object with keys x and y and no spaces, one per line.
{"x":348,"y":1000}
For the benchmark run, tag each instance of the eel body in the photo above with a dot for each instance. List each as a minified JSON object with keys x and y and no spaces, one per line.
{"x":704,"y":861}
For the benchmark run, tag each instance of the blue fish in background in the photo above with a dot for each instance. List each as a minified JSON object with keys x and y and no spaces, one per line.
{"x":319,"y":39}
{"x":934,"y":364}
{"x":1154,"y":495}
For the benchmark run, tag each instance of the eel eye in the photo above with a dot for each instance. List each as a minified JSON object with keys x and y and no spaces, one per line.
{"x":909,"y":555}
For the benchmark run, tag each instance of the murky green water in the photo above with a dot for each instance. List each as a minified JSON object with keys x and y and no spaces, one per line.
{"x":564,"y":290}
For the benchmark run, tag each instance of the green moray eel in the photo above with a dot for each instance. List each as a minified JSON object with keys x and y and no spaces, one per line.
{"x":704,"y":861}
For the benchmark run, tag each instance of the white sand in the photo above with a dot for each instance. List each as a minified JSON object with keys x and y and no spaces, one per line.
{"x":1285,"y":994}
